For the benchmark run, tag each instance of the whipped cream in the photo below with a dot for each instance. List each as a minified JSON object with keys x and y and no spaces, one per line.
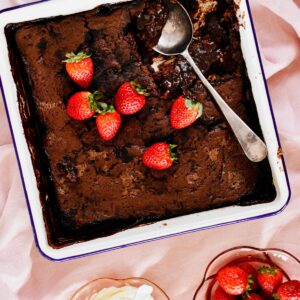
{"x":144,"y":292}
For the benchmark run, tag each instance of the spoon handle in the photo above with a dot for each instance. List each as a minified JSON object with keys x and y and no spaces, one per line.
{"x":253,"y":146}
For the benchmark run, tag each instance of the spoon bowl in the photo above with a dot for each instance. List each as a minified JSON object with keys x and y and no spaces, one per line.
{"x":177,"y":33}
{"x":175,"y":39}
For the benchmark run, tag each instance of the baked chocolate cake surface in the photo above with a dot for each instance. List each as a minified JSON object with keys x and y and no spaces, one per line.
{"x":91,"y":188}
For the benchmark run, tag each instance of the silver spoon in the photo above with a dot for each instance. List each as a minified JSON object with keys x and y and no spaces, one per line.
{"x":175,"y":39}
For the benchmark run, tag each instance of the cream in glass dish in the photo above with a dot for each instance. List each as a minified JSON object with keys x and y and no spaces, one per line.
{"x":120,"y":289}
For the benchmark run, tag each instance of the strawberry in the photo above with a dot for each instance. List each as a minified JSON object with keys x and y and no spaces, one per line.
{"x":252,"y":280}
{"x":221,"y":295}
{"x":233,"y":280}
{"x":289,"y":290}
{"x":108,"y":122}
{"x":159,"y":156}
{"x":130,"y":98}
{"x":83,"y":105}
{"x":253,"y":296}
{"x":269,"y":278}
{"x":185,"y":112}
{"x":80,"y":68}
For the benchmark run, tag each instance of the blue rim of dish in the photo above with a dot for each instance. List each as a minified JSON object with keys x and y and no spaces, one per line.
{"x":168,"y":235}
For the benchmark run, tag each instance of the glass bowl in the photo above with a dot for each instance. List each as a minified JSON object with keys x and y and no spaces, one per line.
{"x":288,"y":263}
{"x":87,"y":291}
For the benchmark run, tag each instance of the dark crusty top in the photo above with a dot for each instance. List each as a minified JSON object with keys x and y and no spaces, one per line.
{"x":91,"y":188}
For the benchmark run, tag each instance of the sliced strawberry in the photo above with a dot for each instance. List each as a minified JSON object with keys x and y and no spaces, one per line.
{"x":221,"y":295}
{"x":185,"y":112}
{"x":130,"y":98}
{"x":269,"y":278}
{"x":80,"y":68}
{"x":289,"y":290}
{"x":108,"y":122}
{"x":233,"y":280}
{"x":159,"y":156}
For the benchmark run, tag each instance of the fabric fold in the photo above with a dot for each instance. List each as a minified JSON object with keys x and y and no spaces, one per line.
{"x":176,"y":264}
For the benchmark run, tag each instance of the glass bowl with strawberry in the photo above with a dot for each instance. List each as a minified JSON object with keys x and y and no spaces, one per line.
{"x":251,"y":273}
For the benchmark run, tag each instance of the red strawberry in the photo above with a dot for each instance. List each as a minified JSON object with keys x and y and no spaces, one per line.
{"x":221,"y":295}
{"x":159,"y":156}
{"x":185,"y":112}
{"x":83,"y":105}
{"x":253,"y":296}
{"x":233,"y":280}
{"x":130,"y":98}
{"x":247,"y":267}
{"x":289,"y":290}
{"x":80,"y":68}
{"x":269,"y":278}
{"x":108,"y":122}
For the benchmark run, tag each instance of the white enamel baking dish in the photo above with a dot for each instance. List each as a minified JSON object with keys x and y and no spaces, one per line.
{"x":175,"y":226}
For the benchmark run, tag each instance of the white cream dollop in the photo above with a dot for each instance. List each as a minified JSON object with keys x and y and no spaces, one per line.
{"x":127,"y":292}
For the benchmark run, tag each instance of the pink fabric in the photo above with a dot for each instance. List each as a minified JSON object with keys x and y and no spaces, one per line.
{"x":176,"y":264}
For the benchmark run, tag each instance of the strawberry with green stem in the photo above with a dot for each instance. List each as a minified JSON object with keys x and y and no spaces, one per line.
{"x":83,"y":105}
{"x":80,"y":68}
{"x":269,"y":279}
{"x":108,"y":122}
{"x":234,"y":280}
{"x":130,"y":98}
{"x":185,"y":112}
{"x":159,"y":156}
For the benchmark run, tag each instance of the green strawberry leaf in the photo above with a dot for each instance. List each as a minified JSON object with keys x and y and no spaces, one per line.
{"x":72,"y":57}
{"x":110,"y":109}
{"x":275,"y":296}
{"x":102,"y":105}
{"x":250,"y":281}
{"x":97,"y":96}
{"x":140,"y":90}
{"x":268,"y":270}
{"x":172,"y":154}
{"x":200,"y":110}
{"x":98,"y":106}
{"x":191,"y":104}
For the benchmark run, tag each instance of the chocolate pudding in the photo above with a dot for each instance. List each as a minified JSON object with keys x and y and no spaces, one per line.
{"x":90,"y":188}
